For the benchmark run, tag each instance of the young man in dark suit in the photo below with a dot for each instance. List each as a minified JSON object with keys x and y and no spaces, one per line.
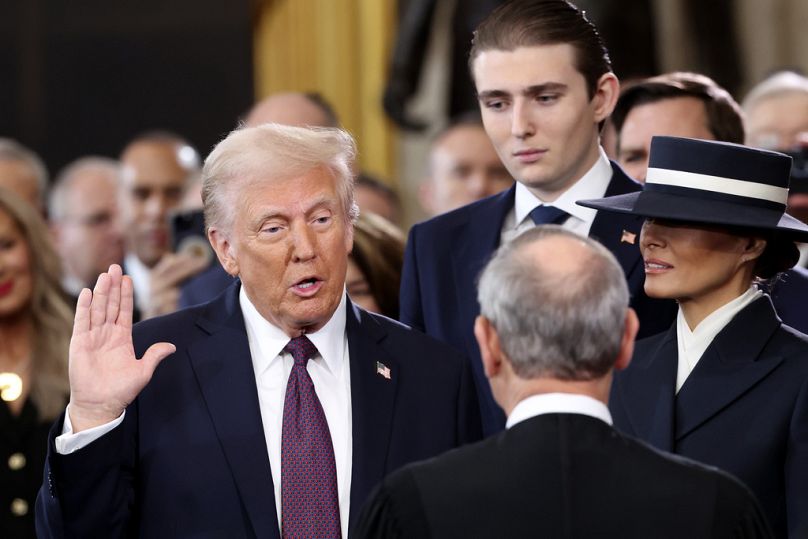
{"x":545,"y":86}
{"x":282,"y":405}
{"x":555,"y":323}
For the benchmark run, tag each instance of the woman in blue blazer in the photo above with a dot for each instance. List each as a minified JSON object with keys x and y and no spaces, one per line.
{"x":728,"y":383}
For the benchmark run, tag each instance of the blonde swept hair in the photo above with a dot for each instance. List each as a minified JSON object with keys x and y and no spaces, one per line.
{"x":250,"y":154}
{"x":51,"y":316}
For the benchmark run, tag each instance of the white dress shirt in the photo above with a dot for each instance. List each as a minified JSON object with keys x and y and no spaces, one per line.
{"x":593,"y":184}
{"x":141,"y":280}
{"x":558,"y":403}
{"x":330,"y":372}
{"x":692,"y":344}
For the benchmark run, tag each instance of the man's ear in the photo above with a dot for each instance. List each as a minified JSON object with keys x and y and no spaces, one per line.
{"x":224,"y":250}
{"x":490,"y":346}
{"x":607,"y":91}
{"x":630,"y":328}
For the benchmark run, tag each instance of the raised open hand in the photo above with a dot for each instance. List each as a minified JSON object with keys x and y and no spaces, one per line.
{"x":105,"y":375}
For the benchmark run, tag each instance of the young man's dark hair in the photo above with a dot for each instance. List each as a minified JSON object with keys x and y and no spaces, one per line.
{"x":528,"y":23}
{"x":724,"y":116}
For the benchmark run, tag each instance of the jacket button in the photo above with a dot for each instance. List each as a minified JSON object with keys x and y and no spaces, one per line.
{"x":16,"y":461}
{"x":19,"y":507}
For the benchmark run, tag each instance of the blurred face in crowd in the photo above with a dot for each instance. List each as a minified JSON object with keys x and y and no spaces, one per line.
{"x":373,"y":201}
{"x":16,"y":281}
{"x":154,"y":177}
{"x":778,"y":122}
{"x":288,"y":109}
{"x":676,"y":117}
{"x":358,"y":288}
{"x":289,"y":244}
{"x":708,"y":266}
{"x":20,"y":178}
{"x":538,"y":113}
{"x":464,"y":167}
{"x":88,"y":237}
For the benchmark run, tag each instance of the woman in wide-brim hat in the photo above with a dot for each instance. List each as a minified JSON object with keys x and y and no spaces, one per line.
{"x":727,"y":385}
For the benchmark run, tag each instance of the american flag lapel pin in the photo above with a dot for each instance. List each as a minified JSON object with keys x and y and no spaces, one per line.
{"x":383,"y":370}
{"x":628,"y":237}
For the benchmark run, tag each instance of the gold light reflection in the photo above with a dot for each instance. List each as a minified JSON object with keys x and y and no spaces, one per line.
{"x":10,"y":386}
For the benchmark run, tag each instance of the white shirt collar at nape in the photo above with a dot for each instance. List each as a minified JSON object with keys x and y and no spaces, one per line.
{"x":593,"y":184}
{"x":271,"y":340}
{"x":558,"y":403}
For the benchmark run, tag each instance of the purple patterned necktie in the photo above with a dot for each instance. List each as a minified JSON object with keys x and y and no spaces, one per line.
{"x":310,"y":503}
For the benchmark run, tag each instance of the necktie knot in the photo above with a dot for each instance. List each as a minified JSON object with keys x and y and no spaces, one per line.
{"x":302,"y":349}
{"x":548,"y":215}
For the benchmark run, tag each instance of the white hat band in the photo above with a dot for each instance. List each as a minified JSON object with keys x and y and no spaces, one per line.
{"x":717,"y":184}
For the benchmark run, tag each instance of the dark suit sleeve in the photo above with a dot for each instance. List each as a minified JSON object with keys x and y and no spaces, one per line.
{"x":410,"y":297}
{"x":796,"y":467}
{"x":394,"y":511}
{"x":88,"y":493}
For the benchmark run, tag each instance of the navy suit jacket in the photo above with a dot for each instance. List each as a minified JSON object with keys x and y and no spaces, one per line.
{"x":445,"y":255}
{"x":204,"y":287}
{"x":190,"y":457}
{"x":790,"y":297}
{"x":744,"y":408}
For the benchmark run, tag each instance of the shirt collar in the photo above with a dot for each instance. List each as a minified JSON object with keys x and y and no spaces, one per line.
{"x":141,"y":278}
{"x":716,"y":320}
{"x":593,"y":184}
{"x":558,"y":403}
{"x":270,"y":340}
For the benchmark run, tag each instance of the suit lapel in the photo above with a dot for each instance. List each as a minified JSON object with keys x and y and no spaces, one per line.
{"x":731,"y":365}
{"x":223,"y":368}
{"x":477,"y":239}
{"x":647,"y":389}
{"x":620,"y":233}
{"x":372,"y":404}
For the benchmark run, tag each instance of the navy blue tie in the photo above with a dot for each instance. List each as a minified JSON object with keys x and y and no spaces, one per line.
{"x":548,"y":215}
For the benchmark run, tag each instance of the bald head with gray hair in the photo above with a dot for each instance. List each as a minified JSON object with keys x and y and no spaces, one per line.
{"x":33,"y":185}
{"x":250,"y":155}
{"x":558,"y":302}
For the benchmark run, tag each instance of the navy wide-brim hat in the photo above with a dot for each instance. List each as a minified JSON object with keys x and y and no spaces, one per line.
{"x":709,"y":182}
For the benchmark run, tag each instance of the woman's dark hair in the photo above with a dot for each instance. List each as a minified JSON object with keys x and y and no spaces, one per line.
{"x":780,"y":254}
{"x":378,"y":252}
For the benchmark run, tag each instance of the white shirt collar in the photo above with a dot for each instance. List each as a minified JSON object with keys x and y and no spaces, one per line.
{"x":141,"y":278}
{"x":270,"y":340}
{"x":558,"y":403}
{"x":593,"y":184}
{"x":692,"y":344}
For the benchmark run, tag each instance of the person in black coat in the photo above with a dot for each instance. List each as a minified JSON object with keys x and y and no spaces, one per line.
{"x":555,"y":322}
{"x":727,"y":385}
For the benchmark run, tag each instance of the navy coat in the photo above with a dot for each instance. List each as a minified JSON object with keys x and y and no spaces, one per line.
{"x":190,"y":458}
{"x":744,"y":408}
